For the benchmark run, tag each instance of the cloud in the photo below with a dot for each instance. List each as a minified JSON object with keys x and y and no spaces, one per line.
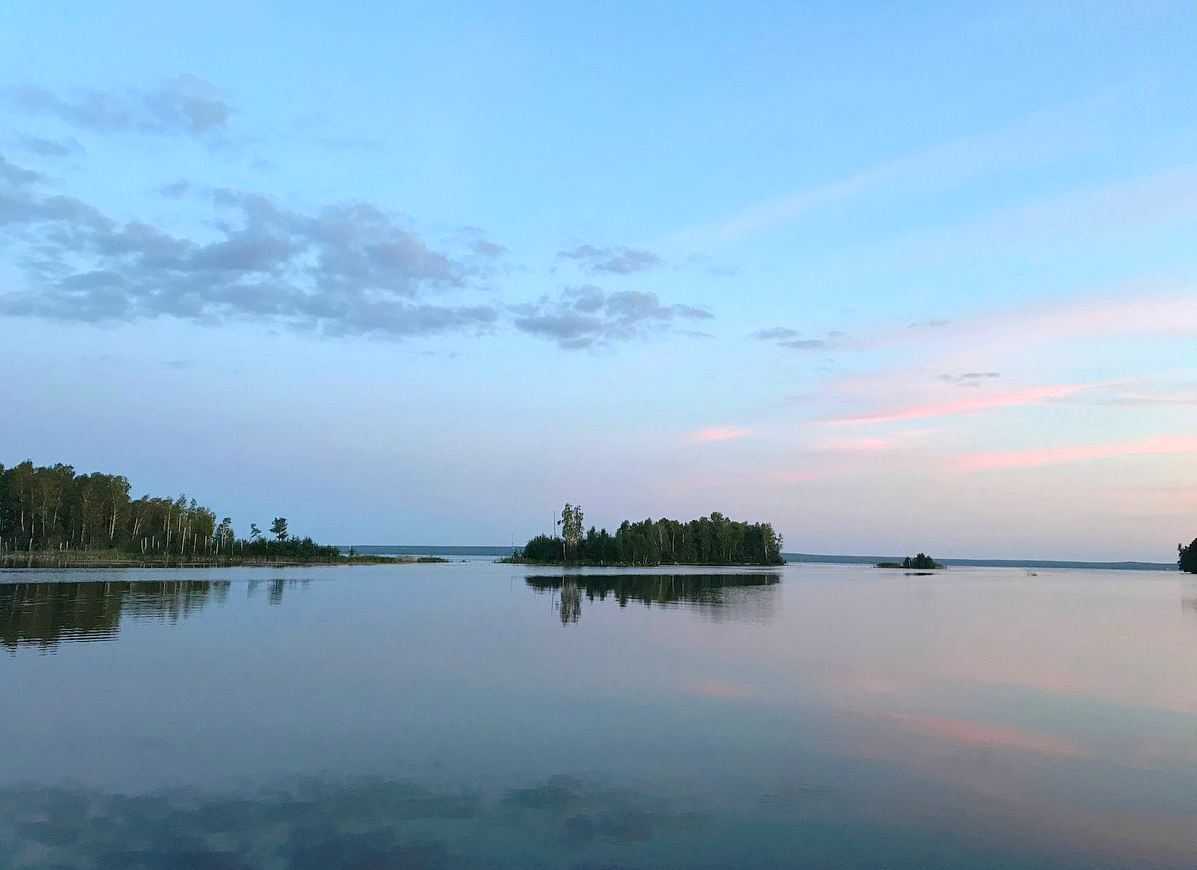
{"x":788,"y":338}
{"x":1160,"y":444}
{"x":938,"y":323}
{"x":17,"y":180}
{"x":716,"y":433}
{"x":586,"y":316}
{"x":614,"y":260}
{"x":348,"y":269}
{"x":1031,"y":395}
{"x":488,"y":248}
{"x":175,"y":189}
{"x":1033,"y":139}
{"x":185,"y":105}
{"x":345,"y":269}
{"x":49,"y":147}
{"x":776,"y":333}
{"x":706,"y":264}
{"x":1094,"y":215}
{"x":1154,"y":400}
{"x":969,"y":379}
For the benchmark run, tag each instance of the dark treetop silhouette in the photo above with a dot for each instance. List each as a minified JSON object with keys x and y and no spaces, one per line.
{"x":713,"y":540}
{"x":1187,"y":560}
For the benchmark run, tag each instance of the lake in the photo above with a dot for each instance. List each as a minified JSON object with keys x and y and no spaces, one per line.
{"x":476,"y":715}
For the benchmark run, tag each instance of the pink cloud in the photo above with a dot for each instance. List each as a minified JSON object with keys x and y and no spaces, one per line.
{"x":971,"y":404}
{"x":717,"y":433}
{"x":1070,"y":453}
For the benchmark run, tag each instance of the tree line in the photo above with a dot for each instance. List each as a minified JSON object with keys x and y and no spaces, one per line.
{"x":1187,"y":557}
{"x":713,"y":540}
{"x":52,"y":508}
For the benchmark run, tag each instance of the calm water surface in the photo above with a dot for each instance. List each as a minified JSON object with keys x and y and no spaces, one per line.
{"x":476,"y":715}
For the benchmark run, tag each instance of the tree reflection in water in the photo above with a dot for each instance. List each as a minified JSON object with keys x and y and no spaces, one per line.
{"x":47,"y":614}
{"x":732,"y":594}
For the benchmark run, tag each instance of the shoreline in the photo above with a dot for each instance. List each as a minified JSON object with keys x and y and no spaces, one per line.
{"x":535,"y":564}
{"x":43,"y":563}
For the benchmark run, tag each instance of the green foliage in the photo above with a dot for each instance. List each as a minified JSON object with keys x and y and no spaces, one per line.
{"x":52,"y":509}
{"x":921,"y":562}
{"x":1187,"y":560}
{"x":571,"y":527}
{"x":713,"y":540}
{"x":292,"y":549}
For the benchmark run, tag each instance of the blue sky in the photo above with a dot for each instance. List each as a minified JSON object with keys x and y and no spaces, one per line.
{"x":893,"y":277}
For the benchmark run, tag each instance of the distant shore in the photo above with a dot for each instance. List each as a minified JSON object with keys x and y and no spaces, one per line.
{"x":814,"y":559}
{"x":500,"y":551}
{"x":410,"y":553}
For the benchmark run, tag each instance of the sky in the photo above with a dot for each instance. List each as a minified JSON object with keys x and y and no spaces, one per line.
{"x":892,"y":277}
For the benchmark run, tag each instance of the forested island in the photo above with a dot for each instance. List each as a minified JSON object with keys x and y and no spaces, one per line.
{"x":921,"y":562}
{"x":713,"y":540}
{"x":50,"y":516}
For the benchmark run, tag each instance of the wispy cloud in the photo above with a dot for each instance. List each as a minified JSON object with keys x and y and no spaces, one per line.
{"x":1154,"y":399}
{"x":185,"y":105}
{"x":175,"y":189}
{"x":612,"y":259}
{"x":716,"y":433}
{"x":968,"y":376}
{"x":587,"y":316}
{"x":44,"y":147}
{"x":1092,"y":214}
{"x":969,"y":379}
{"x":1160,"y":444}
{"x":1034,"y":138}
{"x":1031,"y":395}
{"x":791,"y":339}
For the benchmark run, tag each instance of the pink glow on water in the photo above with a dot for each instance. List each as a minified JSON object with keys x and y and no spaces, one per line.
{"x":985,"y":734}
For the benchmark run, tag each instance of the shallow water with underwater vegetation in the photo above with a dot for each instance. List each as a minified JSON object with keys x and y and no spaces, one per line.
{"x":476,"y":715}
